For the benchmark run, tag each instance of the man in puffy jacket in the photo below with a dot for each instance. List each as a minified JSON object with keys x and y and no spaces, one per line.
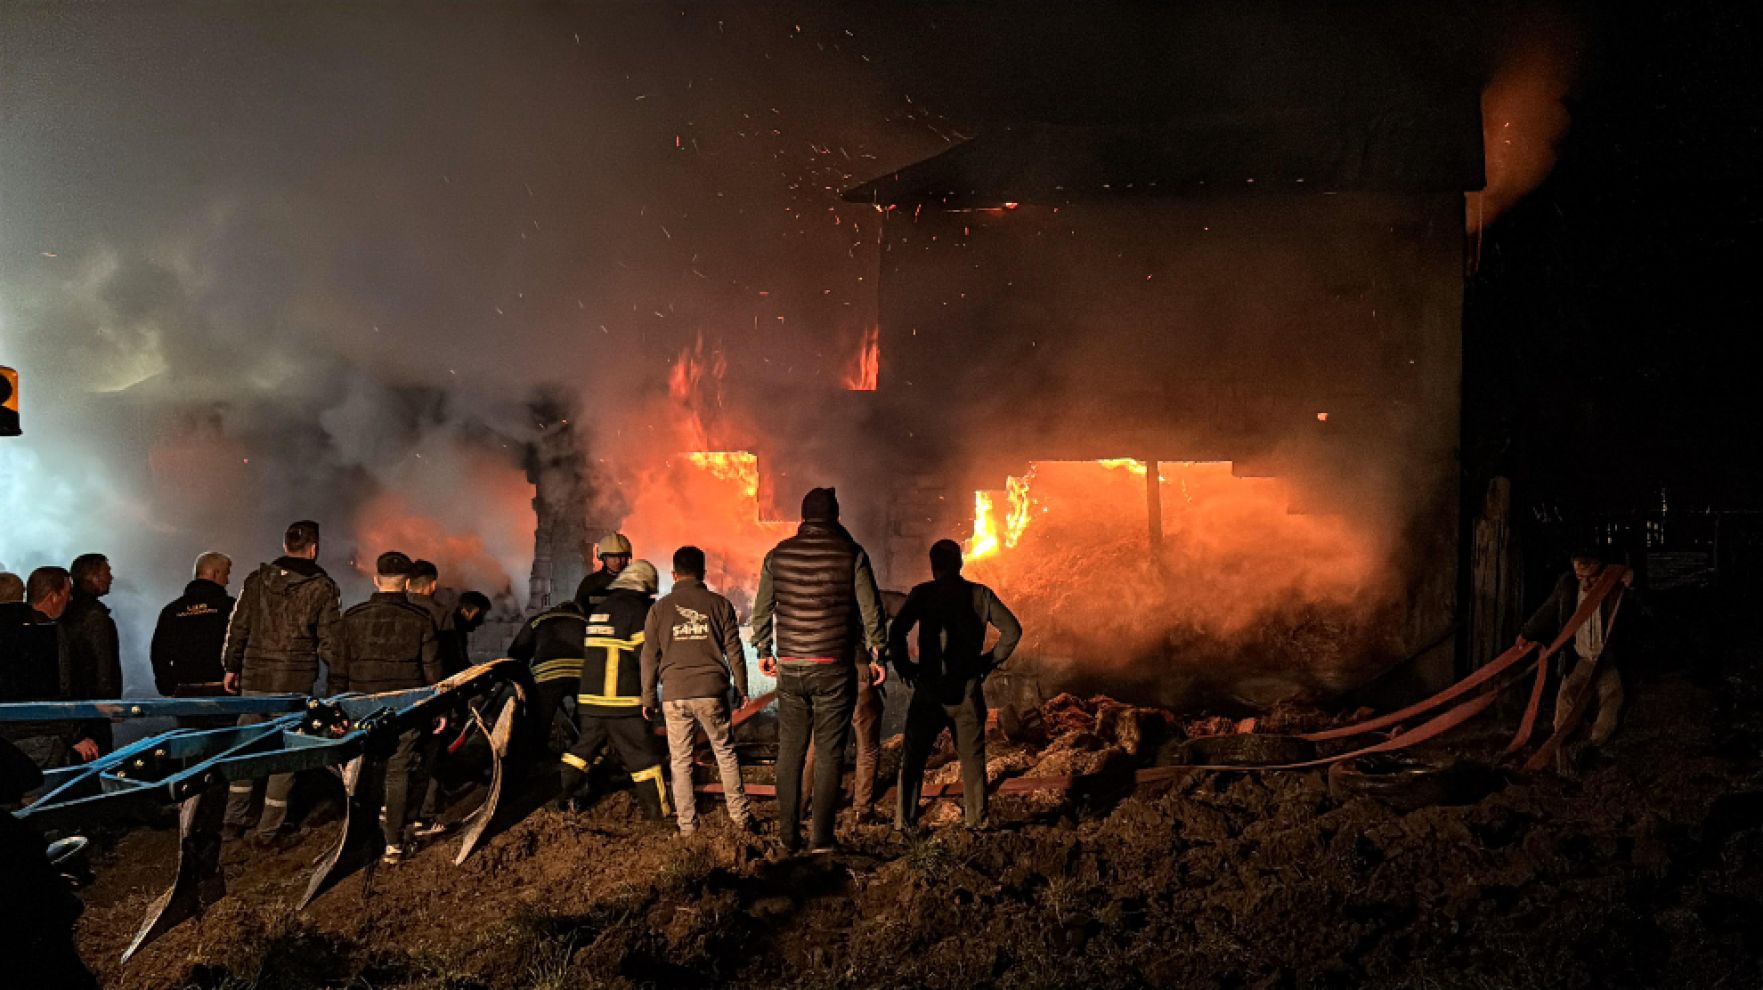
{"x":389,"y":644}
{"x":816,"y":616}
{"x":951,"y":614}
{"x":283,"y":624}
{"x":692,"y":653}
{"x":609,"y":705}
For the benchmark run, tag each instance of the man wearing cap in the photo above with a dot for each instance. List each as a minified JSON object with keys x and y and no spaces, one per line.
{"x":817,"y":615}
{"x":283,"y":625}
{"x":614,"y":552}
{"x":388,"y":644}
{"x":610,"y":708}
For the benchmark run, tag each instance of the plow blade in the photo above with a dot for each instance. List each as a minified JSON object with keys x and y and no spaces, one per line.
{"x":509,"y":801}
{"x":363,"y":841}
{"x":198,"y":882}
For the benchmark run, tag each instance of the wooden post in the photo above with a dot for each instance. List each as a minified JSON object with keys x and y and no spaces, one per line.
{"x":1154,"y":508}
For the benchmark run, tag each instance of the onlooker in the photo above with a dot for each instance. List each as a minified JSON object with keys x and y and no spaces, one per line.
{"x":191,"y":634}
{"x":819,"y":608}
{"x":388,"y":644}
{"x":31,"y":669}
{"x":1589,"y":659}
{"x":692,"y":652}
{"x":609,"y":709}
{"x":283,"y":624}
{"x":11,"y":588}
{"x":93,"y":660}
{"x":614,"y":552}
{"x":951,"y":614}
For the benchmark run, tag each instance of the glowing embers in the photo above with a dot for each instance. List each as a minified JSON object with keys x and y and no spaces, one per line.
{"x":865,"y":369}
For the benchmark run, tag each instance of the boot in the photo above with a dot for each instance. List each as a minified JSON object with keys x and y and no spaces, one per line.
{"x":570,"y":781}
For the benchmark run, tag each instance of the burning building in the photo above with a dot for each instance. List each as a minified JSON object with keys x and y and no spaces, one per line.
{"x":1189,"y":391}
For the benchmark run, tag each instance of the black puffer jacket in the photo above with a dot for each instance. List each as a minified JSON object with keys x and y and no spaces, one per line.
{"x":284,"y":623}
{"x":386,"y":644}
{"x":189,"y":638}
{"x":817,"y":597}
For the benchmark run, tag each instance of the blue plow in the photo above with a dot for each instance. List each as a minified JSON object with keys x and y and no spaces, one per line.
{"x":192,"y":768}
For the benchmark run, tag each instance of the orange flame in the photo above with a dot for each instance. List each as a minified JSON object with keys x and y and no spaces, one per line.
{"x":1232,"y":552}
{"x":866,"y":368}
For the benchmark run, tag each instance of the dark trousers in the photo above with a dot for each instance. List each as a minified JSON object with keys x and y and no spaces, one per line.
{"x":401,"y":769}
{"x":241,"y":794}
{"x":813,"y":700}
{"x":866,"y":716}
{"x":959,"y":706}
{"x":630,"y":737}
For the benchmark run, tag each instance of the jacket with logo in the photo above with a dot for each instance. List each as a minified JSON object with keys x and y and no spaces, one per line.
{"x":692,"y":645}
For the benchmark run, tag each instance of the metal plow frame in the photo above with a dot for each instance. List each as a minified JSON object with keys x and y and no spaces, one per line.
{"x":360,"y":731}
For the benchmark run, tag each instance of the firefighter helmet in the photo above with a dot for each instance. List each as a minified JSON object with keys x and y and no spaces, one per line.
{"x":614,"y":545}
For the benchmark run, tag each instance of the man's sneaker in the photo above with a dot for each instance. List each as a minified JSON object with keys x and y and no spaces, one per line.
{"x":429,"y":829}
{"x":394,"y":855}
{"x":822,"y":850}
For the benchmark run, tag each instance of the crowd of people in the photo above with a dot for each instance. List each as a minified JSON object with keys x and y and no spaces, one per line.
{"x":821,"y":626}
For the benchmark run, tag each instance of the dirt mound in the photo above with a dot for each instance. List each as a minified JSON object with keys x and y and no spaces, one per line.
{"x":1647,"y":872}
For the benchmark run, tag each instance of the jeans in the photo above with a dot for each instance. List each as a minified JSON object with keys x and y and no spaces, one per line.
{"x":812,"y":700}
{"x":961,"y":706}
{"x":683,"y":717}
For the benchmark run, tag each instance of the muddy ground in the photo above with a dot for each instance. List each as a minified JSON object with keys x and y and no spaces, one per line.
{"x":1646,"y":871}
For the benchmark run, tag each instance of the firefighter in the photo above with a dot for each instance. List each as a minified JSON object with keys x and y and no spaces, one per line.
{"x":951,"y":614}
{"x":388,"y":644}
{"x":614,"y":552}
{"x":816,"y":616}
{"x":552,"y":644}
{"x":282,"y":626}
{"x":609,"y":706}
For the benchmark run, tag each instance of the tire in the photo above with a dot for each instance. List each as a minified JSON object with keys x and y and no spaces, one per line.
{"x":1406,"y":782}
{"x":1248,"y":749}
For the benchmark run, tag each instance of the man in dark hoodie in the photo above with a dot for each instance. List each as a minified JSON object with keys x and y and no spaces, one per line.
{"x":951,"y":614}
{"x":609,"y":707}
{"x":284,"y":623}
{"x":92,"y":660}
{"x":388,"y":644}
{"x":816,"y":616}
{"x":191,"y":634}
{"x":692,"y":652}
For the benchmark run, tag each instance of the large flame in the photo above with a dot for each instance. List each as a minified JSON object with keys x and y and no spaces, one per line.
{"x":1068,"y":545}
{"x":708,"y":495}
{"x":865,"y":369}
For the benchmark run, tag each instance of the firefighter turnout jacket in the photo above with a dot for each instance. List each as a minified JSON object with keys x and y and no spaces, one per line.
{"x":612,"y":672}
{"x":553,"y":643}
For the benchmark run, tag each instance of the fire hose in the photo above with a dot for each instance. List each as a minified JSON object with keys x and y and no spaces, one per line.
{"x":1506,"y":671}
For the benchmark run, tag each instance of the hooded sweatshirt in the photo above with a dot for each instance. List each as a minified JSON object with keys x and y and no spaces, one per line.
{"x":284,"y":623}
